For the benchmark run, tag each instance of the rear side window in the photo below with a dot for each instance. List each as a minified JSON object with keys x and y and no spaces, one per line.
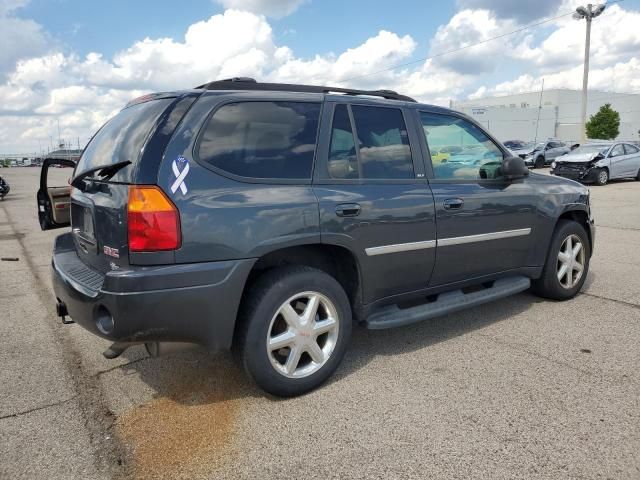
{"x":630,"y":149}
{"x":269,"y":140}
{"x":383,"y":144}
{"x":123,"y":138}
{"x":343,"y":161}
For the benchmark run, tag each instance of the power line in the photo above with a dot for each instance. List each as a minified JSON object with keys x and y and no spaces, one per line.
{"x":459,"y":49}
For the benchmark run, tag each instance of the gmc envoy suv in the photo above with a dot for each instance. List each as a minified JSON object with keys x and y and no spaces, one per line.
{"x":268,"y":218}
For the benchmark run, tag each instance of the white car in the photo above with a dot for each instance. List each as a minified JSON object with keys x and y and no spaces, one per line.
{"x":599,"y":163}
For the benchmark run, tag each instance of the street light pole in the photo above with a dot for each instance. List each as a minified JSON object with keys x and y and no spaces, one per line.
{"x":588,"y":13}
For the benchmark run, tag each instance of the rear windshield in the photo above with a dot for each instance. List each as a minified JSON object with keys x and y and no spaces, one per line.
{"x":122,"y":138}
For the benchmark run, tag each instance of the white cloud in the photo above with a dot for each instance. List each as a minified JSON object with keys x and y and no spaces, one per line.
{"x":7,"y":6}
{"x":270,"y":8}
{"x":519,"y":10}
{"x":469,"y":27}
{"x":20,"y":38}
{"x":621,"y":77}
{"x":614,"y":36}
{"x":82,"y":92}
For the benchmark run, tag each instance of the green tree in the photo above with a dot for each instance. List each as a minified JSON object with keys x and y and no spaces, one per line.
{"x":604,"y":125}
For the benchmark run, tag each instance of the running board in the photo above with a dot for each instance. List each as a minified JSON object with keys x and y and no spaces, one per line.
{"x":445,"y":303}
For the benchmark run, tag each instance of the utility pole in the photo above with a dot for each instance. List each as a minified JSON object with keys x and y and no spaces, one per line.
{"x":535,"y":140}
{"x":588,"y":13}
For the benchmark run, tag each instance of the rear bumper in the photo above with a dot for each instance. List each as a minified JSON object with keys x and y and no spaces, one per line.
{"x":195,"y":303}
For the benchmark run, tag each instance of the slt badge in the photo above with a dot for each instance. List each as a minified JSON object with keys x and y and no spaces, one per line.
{"x":180,"y":168}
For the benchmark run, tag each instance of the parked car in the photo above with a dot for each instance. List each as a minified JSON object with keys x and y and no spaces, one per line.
{"x":252,"y":216}
{"x":599,"y":162}
{"x":516,"y":144}
{"x":544,"y":153}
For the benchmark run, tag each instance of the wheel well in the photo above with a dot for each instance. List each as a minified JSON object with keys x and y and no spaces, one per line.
{"x":336,"y":261}
{"x":581,"y":217}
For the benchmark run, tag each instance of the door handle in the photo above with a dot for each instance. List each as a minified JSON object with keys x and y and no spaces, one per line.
{"x":453,"y":204}
{"x":348,"y":210}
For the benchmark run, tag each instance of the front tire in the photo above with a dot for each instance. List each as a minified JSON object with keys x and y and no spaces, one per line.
{"x":603,"y":177}
{"x":539,"y":163}
{"x":296,"y":328}
{"x":567,"y":264}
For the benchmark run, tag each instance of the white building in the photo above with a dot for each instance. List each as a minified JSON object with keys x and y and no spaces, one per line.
{"x":555,"y":115}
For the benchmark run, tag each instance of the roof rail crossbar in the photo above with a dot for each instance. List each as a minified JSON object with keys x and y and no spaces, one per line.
{"x":245,"y":83}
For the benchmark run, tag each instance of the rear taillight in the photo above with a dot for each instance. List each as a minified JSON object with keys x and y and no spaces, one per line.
{"x":154,"y":222}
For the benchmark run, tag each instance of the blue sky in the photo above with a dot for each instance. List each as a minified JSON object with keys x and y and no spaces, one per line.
{"x":315,"y":27}
{"x":78,"y":62}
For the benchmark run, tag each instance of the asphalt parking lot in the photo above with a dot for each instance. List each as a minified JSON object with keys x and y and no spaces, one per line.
{"x":523,"y":388}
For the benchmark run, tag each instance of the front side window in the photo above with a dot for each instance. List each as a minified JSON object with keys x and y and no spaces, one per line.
{"x":382,"y":150}
{"x":265,"y":140}
{"x":617,"y":151}
{"x":459,"y":149}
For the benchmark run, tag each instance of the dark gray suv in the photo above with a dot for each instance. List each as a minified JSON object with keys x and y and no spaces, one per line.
{"x":267,"y":218}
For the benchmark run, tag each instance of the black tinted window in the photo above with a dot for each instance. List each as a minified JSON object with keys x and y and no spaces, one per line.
{"x":384,"y":143}
{"x":122,"y":138}
{"x":262,"y":139}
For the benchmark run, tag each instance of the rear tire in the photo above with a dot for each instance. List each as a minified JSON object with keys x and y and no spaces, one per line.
{"x":566,"y":267}
{"x":539,"y":163}
{"x":603,"y":177}
{"x":279,"y":342}
{"x":638,"y":176}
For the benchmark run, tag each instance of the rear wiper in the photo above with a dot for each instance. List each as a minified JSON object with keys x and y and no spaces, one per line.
{"x":104,"y":171}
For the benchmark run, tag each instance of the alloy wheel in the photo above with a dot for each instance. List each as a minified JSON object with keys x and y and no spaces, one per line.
{"x":603,"y":177}
{"x":302,"y":335}
{"x":571,"y":261}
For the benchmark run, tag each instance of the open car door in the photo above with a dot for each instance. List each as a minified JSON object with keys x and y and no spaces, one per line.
{"x":54,"y":201}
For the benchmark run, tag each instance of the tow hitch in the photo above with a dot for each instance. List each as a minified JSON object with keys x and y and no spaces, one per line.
{"x":61,"y":310}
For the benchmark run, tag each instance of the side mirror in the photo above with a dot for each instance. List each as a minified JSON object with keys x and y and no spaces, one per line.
{"x":514,"y":168}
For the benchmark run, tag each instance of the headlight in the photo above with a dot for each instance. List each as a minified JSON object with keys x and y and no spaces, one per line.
{"x":553,"y":164}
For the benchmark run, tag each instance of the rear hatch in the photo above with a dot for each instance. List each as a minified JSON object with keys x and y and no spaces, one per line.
{"x":99,"y":207}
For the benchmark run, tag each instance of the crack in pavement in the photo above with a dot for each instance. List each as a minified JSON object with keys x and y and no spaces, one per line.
{"x":36,"y":409}
{"x":521,"y":348}
{"x":120,"y":366}
{"x":615,"y":300}
{"x":619,"y":228}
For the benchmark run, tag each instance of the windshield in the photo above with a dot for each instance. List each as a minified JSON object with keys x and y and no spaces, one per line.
{"x":122,"y":138}
{"x":584,"y":149}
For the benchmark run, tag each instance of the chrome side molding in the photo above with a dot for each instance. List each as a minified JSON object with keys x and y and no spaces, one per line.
{"x":445,"y":242}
